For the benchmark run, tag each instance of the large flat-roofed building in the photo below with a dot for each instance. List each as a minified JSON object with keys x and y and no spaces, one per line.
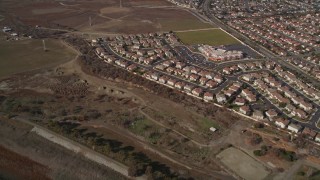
{"x":218,"y":54}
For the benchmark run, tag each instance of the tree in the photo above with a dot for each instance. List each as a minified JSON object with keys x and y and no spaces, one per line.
{"x":256,"y":139}
{"x":258,"y":125}
{"x":258,"y":153}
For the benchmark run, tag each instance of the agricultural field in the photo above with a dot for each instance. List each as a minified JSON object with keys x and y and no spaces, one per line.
{"x":242,"y":164}
{"x":213,"y":37}
{"x":25,"y":55}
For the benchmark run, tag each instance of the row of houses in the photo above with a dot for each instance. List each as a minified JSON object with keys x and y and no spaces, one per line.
{"x":248,"y":67}
{"x":180,"y":85}
{"x":294,"y":104}
{"x":191,"y":73}
{"x":145,"y":50}
{"x":284,"y":123}
{"x":292,"y":79}
{"x":273,"y":35}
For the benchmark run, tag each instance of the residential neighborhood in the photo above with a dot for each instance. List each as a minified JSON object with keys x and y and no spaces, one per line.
{"x":160,"y":89}
{"x":261,"y":90}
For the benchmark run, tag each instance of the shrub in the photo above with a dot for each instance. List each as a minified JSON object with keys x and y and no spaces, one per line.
{"x":257,"y":152}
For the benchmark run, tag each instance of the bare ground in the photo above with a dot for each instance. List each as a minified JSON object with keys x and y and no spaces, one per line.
{"x":54,"y":161}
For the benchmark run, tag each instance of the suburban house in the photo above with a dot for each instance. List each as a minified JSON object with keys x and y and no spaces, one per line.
{"x":309,"y":132}
{"x":245,"y":110}
{"x":317,"y":138}
{"x":172,"y":82}
{"x":189,"y":87}
{"x":257,"y":114}
{"x":194,"y":77}
{"x":155,"y":76}
{"x":218,"y":78}
{"x":247,"y":77}
{"x":163,"y":79}
{"x":282,"y":123}
{"x":306,"y":106}
{"x":203,"y":80}
{"x":211,"y":84}
{"x":180,"y":65}
{"x":299,"y":113}
{"x":208,"y":96}
{"x":240,"y":101}
{"x":180,"y":85}
{"x":229,"y":92}
{"x":197,"y":91}
{"x":221,"y":98}
{"x":132,"y":67}
{"x":294,"y":128}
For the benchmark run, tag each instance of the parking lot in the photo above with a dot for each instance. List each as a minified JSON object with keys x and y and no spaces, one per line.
{"x":187,"y":56}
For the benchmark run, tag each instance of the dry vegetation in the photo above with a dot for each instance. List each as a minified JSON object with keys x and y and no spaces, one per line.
{"x":119,"y":114}
{"x":28,"y":169}
{"x":26,"y":55}
{"x":106,"y":16}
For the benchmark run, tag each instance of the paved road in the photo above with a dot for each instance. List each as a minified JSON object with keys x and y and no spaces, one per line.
{"x":312,"y":123}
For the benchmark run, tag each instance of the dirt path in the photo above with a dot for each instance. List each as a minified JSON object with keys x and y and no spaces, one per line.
{"x":177,"y":132}
{"x":74,"y":67}
{"x":192,"y":30}
{"x":137,"y":139}
{"x":134,"y":138}
{"x":77,"y":148}
{"x":97,"y":82}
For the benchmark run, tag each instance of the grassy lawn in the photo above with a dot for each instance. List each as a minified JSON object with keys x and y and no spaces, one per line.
{"x":24,"y":55}
{"x":211,"y":37}
{"x":206,"y":124}
{"x":182,"y":24}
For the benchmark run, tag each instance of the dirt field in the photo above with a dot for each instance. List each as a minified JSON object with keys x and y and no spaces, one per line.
{"x":28,"y":169}
{"x":116,"y":105}
{"x":24,"y":55}
{"x":45,"y":158}
{"x":242,"y":164}
{"x":307,"y":172}
{"x":214,"y":37}
{"x":106,"y":16}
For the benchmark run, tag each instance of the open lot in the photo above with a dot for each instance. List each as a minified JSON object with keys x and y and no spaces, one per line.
{"x":25,"y":155}
{"x":212,"y":37}
{"x":25,"y":55}
{"x":106,"y":16}
{"x":242,"y":164}
{"x":307,"y":172}
{"x":28,"y":169}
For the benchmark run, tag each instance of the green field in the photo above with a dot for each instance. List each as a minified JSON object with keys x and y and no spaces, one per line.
{"x":182,"y":24}
{"x":213,"y":37}
{"x":24,"y":55}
